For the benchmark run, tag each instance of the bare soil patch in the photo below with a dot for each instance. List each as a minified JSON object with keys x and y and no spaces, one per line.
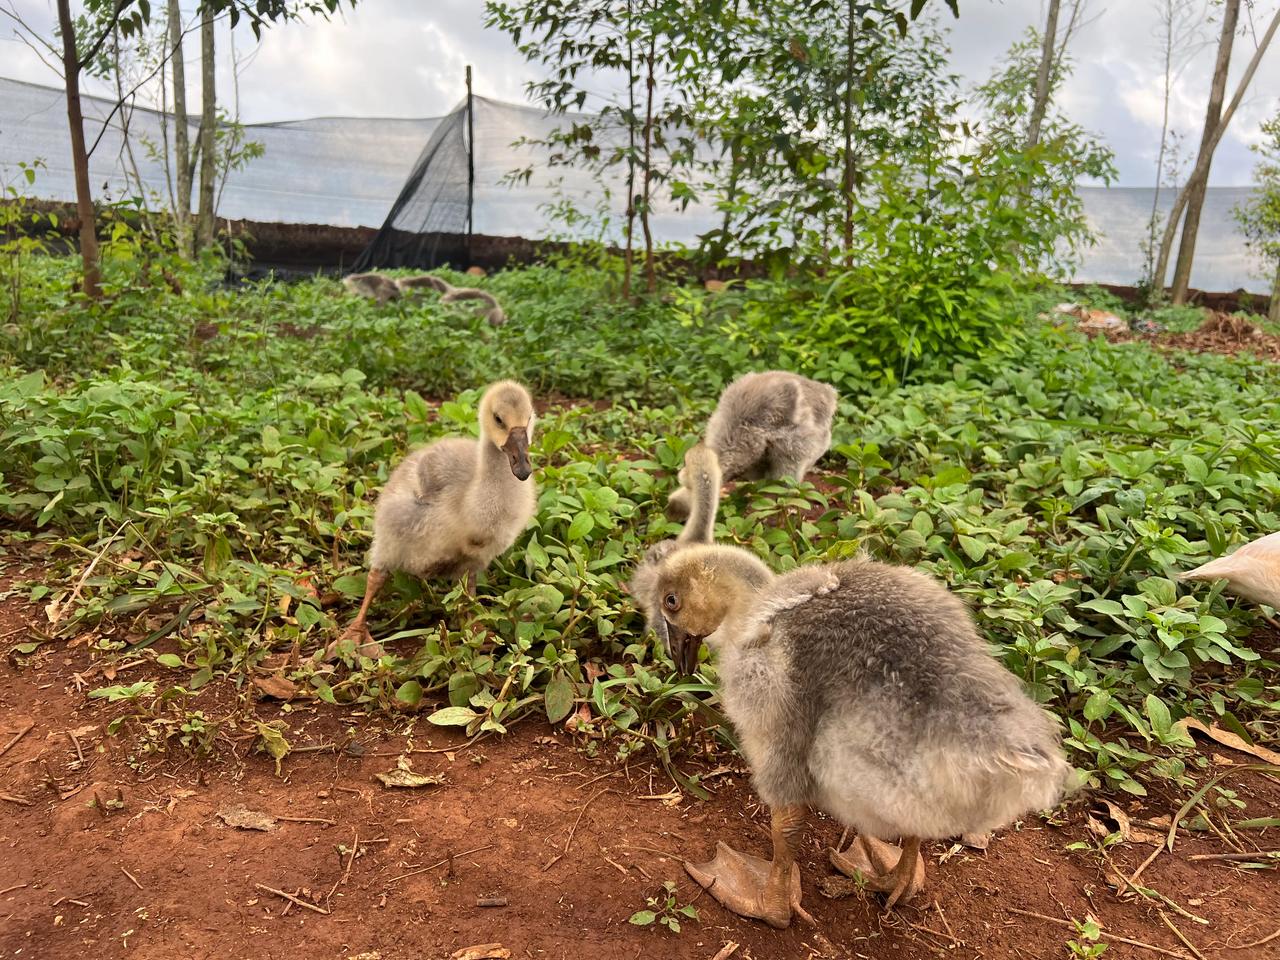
{"x":108,"y":853}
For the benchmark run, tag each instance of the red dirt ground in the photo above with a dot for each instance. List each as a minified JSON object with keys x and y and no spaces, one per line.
{"x":573,"y":846}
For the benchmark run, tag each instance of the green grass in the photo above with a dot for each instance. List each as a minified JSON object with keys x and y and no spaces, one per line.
{"x":1058,"y":486}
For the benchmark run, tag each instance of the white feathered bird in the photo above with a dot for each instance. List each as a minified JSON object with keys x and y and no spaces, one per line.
{"x":1252,"y":572}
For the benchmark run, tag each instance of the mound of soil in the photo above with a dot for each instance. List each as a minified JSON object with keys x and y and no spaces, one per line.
{"x":1225,"y":333}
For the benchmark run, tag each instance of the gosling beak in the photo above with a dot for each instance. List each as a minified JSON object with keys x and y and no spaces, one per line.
{"x":517,"y":450}
{"x":682,"y":646}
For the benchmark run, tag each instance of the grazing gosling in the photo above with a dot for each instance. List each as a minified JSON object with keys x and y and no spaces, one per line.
{"x":450,"y":294}
{"x":864,"y":690}
{"x":767,"y":425}
{"x":701,"y":474}
{"x":453,"y":506}
{"x":375,"y":286}
{"x":1252,"y":572}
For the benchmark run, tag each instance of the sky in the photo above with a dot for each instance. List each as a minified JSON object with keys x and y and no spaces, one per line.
{"x":405,"y":58}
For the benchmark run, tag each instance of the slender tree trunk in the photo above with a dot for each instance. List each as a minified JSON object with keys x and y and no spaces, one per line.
{"x":79,"y":155}
{"x":1200,"y":174}
{"x":208,"y":127}
{"x":126,"y":117}
{"x":181,"y":132}
{"x":1274,"y":313}
{"x":1044,"y":75}
{"x":1164,"y":145}
{"x":847,"y":181}
{"x":650,"y":271}
{"x":628,"y":253}
{"x":1213,"y":115}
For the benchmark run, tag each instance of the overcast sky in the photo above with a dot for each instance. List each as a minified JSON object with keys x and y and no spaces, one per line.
{"x":405,"y":58}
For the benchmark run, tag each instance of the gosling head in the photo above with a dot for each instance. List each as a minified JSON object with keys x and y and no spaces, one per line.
{"x":506,"y":421}
{"x":694,"y":597}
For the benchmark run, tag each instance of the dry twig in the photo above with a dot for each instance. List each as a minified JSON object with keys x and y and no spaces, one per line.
{"x":1237,"y":857}
{"x":1256,"y":943}
{"x":331,"y":823}
{"x":16,"y":737}
{"x":355,"y":846}
{"x":292,"y":899}
{"x":440,"y":863}
{"x":1181,"y":936}
{"x":131,"y":877}
{"x":1110,"y":936}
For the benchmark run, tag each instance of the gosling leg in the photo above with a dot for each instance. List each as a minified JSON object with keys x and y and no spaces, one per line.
{"x":749,"y":886}
{"x":884,"y":867}
{"x":358,"y":631}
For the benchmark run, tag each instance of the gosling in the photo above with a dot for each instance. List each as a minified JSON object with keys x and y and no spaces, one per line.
{"x":1252,"y":572}
{"x":701,"y":474}
{"x":493,"y":311}
{"x":377,"y":287}
{"x":864,"y":690}
{"x":767,"y":425}
{"x":452,"y":507}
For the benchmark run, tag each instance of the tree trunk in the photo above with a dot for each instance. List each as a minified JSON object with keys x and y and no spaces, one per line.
{"x":1200,"y":174}
{"x":1213,"y":115}
{"x":79,"y":156}
{"x":1274,"y":313}
{"x":847,"y":180}
{"x":181,"y":132}
{"x":1043,"y":75}
{"x":208,"y":127}
{"x":650,"y":272}
{"x":1164,"y":145}
{"x":628,"y":253}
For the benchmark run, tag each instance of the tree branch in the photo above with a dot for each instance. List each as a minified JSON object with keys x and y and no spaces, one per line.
{"x":96,"y":47}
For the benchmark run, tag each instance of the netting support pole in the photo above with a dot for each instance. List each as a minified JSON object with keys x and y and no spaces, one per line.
{"x":471,"y":164}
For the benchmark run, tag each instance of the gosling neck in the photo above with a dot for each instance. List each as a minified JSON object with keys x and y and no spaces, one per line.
{"x":701,"y":525}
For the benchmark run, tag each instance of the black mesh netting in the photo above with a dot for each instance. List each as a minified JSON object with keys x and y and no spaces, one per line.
{"x":429,"y":223}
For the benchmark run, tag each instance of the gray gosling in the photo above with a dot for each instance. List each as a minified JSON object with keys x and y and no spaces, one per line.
{"x":766,"y":425}
{"x":375,"y":286}
{"x":453,"y":506}
{"x":863,"y":690}
{"x":450,"y":294}
{"x":701,"y":474}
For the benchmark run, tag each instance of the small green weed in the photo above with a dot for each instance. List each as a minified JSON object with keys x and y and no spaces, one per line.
{"x":663,"y":910}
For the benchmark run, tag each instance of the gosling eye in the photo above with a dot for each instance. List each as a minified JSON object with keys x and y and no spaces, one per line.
{"x":499,"y":420}
{"x":672,"y":602}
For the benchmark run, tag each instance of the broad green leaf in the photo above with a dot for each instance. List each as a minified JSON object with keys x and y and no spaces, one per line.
{"x":453,"y":717}
{"x":558,"y":698}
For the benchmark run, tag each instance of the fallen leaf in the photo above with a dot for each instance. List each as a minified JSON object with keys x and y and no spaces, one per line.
{"x":277,"y":685}
{"x":403,"y":776}
{"x":482,"y":951}
{"x":1121,"y":820}
{"x":1229,"y":739}
{"x":242,"y":818}
{"x":581,"y":718}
